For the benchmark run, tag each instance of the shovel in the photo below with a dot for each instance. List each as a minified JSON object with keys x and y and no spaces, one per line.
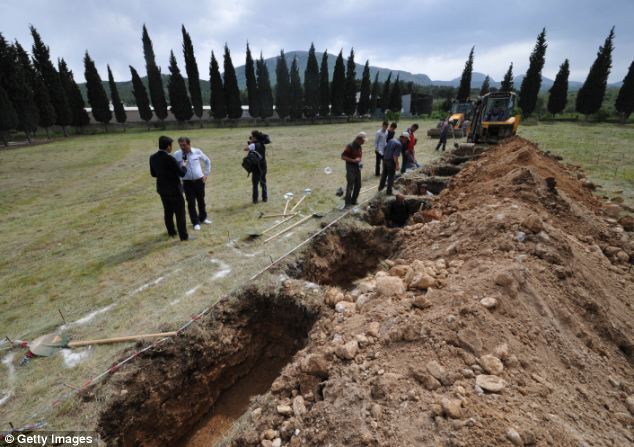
{"x":307,"y":192}
{"x":270,"y":216}
{"x":47,"y":345}
{"x":288,"y":196}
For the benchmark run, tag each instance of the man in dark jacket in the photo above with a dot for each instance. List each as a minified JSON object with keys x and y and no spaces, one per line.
{"x":352,"y":155}
{"x":168,"y":173}
{"x":391,"y":153}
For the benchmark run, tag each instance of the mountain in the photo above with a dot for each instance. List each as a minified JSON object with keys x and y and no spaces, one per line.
{"x":302,"y":58}
{"x":478,"y":78}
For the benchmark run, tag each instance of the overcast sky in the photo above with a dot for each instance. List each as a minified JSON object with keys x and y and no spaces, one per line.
{"x":423,"y":36}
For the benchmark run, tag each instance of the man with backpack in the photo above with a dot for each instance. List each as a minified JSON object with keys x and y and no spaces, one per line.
{"x":255,"y":163}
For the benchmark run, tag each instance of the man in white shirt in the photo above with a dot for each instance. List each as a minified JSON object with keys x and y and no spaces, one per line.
{"x":379,"y":144}
{"x":194,"y":180}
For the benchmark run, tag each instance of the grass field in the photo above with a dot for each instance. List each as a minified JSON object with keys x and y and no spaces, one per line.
{"x":82,"y":233}
{"x":605,"y":151}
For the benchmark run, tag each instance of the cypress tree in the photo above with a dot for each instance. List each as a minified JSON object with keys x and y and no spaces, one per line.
{"x":486,"y":86}
{"x":193,"y":77}
{"x":296,"y":92}
{"x":282,"y":89}
{"x":45,"y":113}
{"x":140,"y":96}
{"x":464,"y":91}
{"x":119,"y":111}
{"x":96,"y":93}
{"x":252,"y":85}
{"x":155,"y":82}
{"x":385,"y":95}
{"x":8,"y":116}
{"x":350,"y":93}
{"x":45,"y":109}
{"x":529,"y":90}
{"x":625,"y":99}
{"x":374,"y":97}
{"x":338,"y":86}
{"x":50,"y":76}
{"x":558,"y":96}
{"x":324,"y":86}
{"x":311,"y":84}
{"x":17,"y":82}
{"x":396,"y":101}
{"x":76,"y":102}
{"x":364,"y":95}
{"x":507,"y":82}
{"x":265,"y":94}
{"x":590,"y":96}
{"x":217,"y":100}
{"x":180,"y":105}
{"x":232,"y":91}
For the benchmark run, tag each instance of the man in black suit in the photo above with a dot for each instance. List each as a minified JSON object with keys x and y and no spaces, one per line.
{"x":168,"y":173}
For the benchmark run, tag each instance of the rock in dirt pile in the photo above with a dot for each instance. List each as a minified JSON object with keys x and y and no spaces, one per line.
{"x":503,"y":318}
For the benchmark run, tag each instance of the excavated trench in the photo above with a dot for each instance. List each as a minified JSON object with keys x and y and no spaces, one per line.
{"x":345,"y":253}
{"x":192,"y":391}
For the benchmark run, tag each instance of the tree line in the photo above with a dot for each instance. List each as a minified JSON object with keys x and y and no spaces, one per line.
{"x":589,"y":98}
{"x":34,"y":92}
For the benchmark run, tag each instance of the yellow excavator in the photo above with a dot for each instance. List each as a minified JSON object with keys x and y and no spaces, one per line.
{"x":494,"y":118}
{"x":459,"y":112}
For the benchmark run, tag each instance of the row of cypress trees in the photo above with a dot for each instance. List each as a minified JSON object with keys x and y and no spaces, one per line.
{"x":589,"y":98}
{"x":35,"y":93}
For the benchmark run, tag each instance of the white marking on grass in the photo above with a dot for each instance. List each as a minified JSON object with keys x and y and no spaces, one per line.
{"x":175,"y":302}
{"x":192,"y":291}
{"x":287,"y":235}
{"x":74,"y":358}
{"x":148,"y":284}
{"x":88,"y":317}
{"x":7,"y":361}
{"x":223,"y":269}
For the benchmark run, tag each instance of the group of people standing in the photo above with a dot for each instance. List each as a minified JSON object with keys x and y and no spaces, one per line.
{"x":186,"y":172}
{"x":388,"y":151}
{"x":180,"y":173}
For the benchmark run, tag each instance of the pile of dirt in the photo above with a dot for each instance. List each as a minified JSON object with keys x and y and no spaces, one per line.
{"x":503,"y":318}
{"x":502,"y":323}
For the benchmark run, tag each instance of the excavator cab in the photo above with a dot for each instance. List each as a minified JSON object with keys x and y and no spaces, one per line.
{"x":460,"y":111}
{"x":494,"y":118}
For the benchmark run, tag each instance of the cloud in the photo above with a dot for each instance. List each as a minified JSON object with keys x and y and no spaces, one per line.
{"x":421,"y":36}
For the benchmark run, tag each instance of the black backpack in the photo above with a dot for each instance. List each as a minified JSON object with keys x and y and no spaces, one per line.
{"x":251,"y":162}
